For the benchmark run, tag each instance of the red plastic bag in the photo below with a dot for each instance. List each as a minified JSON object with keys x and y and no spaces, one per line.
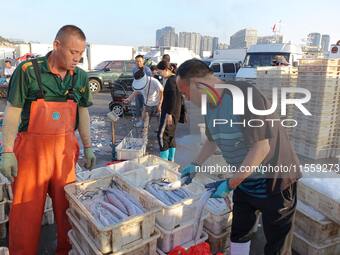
{"x":199,"y":249}
{"x":179,"y":250}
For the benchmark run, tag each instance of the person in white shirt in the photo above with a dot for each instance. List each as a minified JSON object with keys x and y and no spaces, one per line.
{"x":9,"y":69}
{"x":152,"y":91}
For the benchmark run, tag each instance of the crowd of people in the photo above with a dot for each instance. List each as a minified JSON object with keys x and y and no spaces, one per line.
{"x":48,"y":100}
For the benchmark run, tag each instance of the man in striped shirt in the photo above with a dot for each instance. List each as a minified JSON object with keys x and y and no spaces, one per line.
{"x":252,"y":150}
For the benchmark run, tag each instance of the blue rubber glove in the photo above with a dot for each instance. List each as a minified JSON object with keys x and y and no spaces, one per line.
{"x":188,"y":173}
{"x":220,"y":189}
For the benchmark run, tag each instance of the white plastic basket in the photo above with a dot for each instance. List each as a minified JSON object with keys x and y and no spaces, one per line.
{"x":84,"y":245}
{"x":152,"y":160}
{"x":219,"y":219}
{"x":125,"y":166}
{"x":130,"y":153}
{"x":96,"y":173}
{"x":303,"y":246}
{"x":219,"y":243}
{"x":315,"y":226}
{"x":183,"y":234}
{"x":319,"y":197}
{"x":119,"y":236}
{"x":204,"y":237}
{"x":173,"y":215}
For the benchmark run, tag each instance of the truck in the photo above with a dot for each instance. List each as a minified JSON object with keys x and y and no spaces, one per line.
{"x":261,"y":55}
{"x":177,"y":54}
{"x":230,"y":54}
{"x":97,"y":53}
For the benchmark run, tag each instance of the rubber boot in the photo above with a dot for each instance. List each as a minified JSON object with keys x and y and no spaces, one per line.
{"x":172,"y":152}
{"x":239,"y":248}
{"x":164,"y":154}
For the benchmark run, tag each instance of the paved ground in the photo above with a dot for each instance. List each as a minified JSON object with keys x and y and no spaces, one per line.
{"x":101,"y":134}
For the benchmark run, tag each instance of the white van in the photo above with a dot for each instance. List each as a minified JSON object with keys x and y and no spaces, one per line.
{"x":263,"y":55}
{"x":225,"y":69}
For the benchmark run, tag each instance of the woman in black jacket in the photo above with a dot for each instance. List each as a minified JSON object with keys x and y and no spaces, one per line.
{"x":170,"y":112}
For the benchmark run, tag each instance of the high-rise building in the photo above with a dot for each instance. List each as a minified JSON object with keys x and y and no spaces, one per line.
{"x":215,"y":43}
{"x":314,"y":39}
{"x":270,"y":39}
{"x":166,"y":36}
{"x":325,"y":39}
{"x":192,"y":41}
{"x":223,"y":46}
{"x":243,"y":38}
{"x":206,"y":44}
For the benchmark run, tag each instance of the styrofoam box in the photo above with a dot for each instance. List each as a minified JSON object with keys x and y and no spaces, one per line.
{"x":122,"y":153}
{"x":219,"y":243}
{"x":313,"y":225}
{"x":96,"y":173}
{"x":322,"y":194}
{"x":151,"y":160}
{"x":303,"y":246}
{"x":183,"y":234}
{"x":119,"y":236}
{"x":173,"y":215}
{"x":83,"y":245}
{"x":203,"y":238}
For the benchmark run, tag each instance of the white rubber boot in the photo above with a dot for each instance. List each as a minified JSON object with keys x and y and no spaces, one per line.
{"x":239,"y":248}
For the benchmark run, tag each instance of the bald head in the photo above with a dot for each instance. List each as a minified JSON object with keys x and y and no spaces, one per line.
{"x":68,"y":47}
{"x":68,"y":31}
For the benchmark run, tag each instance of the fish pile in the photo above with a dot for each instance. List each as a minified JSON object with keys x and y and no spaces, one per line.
{"x":218,"y":204}
{"x":114,"y":206}
{"x":165,"y":192}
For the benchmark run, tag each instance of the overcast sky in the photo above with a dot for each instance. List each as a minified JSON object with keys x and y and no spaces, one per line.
{"x":134,"y":23}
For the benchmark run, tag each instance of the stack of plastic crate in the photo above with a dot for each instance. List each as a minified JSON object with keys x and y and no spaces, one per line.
{"x":315,"y":136}
{"x":277,"y":77}
{"x":316,"y":228}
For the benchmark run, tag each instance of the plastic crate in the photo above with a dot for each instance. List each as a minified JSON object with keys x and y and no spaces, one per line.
{"x":127,"y":153}
{"x":318,"y":198}
{"x":183,"y":234}
{"x":96,"y":173}
{"x":219,"y":243}
{"x":151,"y":160}
{"x":119,"y":236}
{"x":186,"y":246}
{"x":313,"y":225}
{"x":85,"y":246}
{"x":125,"y":166}
{"x":173,"y":215}
{"x":303,"y":246}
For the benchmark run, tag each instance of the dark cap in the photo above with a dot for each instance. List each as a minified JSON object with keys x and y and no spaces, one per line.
{"x":139,"y":74}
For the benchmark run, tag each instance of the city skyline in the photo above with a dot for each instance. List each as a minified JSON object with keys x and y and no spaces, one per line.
{"x":130,"y":23}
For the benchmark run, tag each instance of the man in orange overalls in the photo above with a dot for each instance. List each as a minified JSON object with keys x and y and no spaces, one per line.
{"x":49,"y":96}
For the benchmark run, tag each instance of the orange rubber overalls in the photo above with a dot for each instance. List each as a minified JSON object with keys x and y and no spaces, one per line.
{"x":47,"y":153}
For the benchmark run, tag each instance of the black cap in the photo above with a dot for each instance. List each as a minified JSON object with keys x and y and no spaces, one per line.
{"x":139,"y":74}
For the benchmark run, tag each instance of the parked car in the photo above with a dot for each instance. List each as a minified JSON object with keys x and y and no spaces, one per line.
{"x":108,"y":72}
{"x":225,"y":69}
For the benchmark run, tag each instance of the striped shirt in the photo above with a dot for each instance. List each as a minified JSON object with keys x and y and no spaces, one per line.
{"x":232,"y":143}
